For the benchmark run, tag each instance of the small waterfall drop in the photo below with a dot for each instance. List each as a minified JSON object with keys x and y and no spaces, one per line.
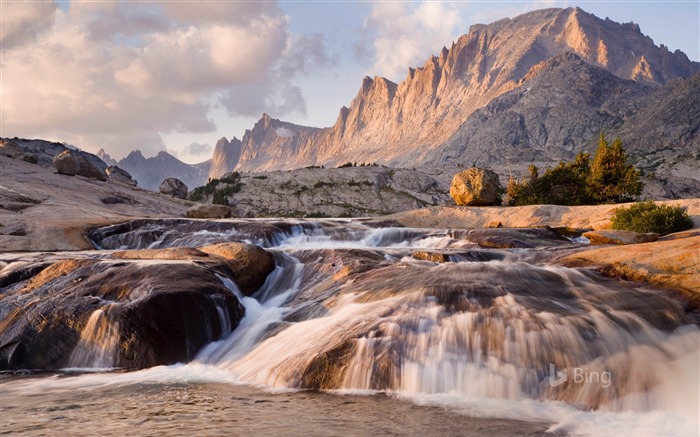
{"x":260,"y":314}
{"x":99,"y":342}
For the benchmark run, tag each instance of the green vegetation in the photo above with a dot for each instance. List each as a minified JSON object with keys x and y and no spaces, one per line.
{"x":355,"y":164}
{"x":219,"y":195}
{"x":649,"y":217}
{"x":609,"y":178}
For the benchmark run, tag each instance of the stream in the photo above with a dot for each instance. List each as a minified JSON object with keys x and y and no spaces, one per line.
{"x":357,"y":332}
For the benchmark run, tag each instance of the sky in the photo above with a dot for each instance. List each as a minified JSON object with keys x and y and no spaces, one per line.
{"x":178,"y":75}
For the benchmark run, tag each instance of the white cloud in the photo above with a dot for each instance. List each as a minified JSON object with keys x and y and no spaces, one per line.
{"x":102,"y":71}
{"x":406,"y":34}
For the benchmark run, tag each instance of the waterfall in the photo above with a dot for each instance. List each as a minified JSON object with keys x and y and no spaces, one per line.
{"x":498,"y":324}
{"x":99,"y":342}
{"x":480,"y":340}
{"x":261,"y":313}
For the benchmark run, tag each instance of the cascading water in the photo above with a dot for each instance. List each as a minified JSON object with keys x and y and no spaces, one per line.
{"x":98,"y":343}
{"x":349,"y":308}
{"x":499,"y":344}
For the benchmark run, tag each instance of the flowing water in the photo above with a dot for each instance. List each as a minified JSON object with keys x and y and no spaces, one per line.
{"x":494,"y":341}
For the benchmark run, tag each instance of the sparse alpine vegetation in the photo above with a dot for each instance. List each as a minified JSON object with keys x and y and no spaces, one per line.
{"x":231,"y":185}
{"x":609,"y":178}
{"x":649,"y":217}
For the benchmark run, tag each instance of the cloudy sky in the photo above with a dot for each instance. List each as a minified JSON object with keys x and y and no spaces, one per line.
{"x":178,"y":75}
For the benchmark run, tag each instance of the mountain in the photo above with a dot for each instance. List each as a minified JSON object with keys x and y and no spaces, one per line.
{"x":557,"y":110}
{"x":150,"y":172}
{"x":226,"y":156}
{"x":560,"y":55}
{"x":106,"y":158}
{"x":275,"y":144}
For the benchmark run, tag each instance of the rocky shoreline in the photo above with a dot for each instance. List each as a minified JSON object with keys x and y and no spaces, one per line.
{"x":47,"y":212}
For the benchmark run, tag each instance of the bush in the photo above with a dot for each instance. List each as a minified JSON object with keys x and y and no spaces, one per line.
{"x":564,"y":184}
{"x":649,"y":217}
{"x":608,"y":179}
{"x":219,"y":195}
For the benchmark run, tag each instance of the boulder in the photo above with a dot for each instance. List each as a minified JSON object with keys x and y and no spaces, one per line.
{"x":120,"y":175}
{"x":619,"y":237}
{"x":429,"y":256}
{"x":672,"y":264}
{"x":250,"y":264}
{"x":476,"y":187}
{"x":205,"y":211}
{"x":127,"y":314}
{"x":73,"y":163}
{"x":509,"y":238}
{"x":173,"y":187}
{"x":11,"y":149}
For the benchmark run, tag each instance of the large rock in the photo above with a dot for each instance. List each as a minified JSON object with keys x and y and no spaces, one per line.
{"x":205,"y":211}
{"x":670,"y":263}
{"x":505,"y":238}
{"x":73,"y":163}
{"x":173,"y":187}
{"x":130,"y":314}
{"x":13,"y":150}
{"x":619,"y":237}
{"x":250,"y":264}
{"x":476,"y":187}
{"x":120,"y":175}
{"x":425,"y":255}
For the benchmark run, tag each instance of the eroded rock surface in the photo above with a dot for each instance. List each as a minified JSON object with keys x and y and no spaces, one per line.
{"x":619,"y":237}
{"x":105,"y":313}
{"x":209,"y":211}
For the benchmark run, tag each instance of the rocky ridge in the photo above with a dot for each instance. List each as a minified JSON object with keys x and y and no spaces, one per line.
{"x":338,"y":192}
{"x":43,"y":152}
{"x":42,"y":210}
{"x":537,"y":88}
{"x":402,"y":124}
{"x":150,"y":172}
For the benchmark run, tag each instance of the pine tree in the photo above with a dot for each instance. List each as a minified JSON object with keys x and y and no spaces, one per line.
{"x":612,"y":179}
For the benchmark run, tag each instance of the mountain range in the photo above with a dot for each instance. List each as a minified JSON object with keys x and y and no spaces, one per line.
{"x":537,"y":88}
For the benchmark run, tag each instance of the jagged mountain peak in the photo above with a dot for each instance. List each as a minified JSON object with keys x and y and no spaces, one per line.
{"x":135,"y":154}
{"x":226,"y":156}
{"x":403,"y":124}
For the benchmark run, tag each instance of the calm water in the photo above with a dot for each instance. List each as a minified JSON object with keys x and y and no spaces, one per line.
{"x":194,"y":408}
